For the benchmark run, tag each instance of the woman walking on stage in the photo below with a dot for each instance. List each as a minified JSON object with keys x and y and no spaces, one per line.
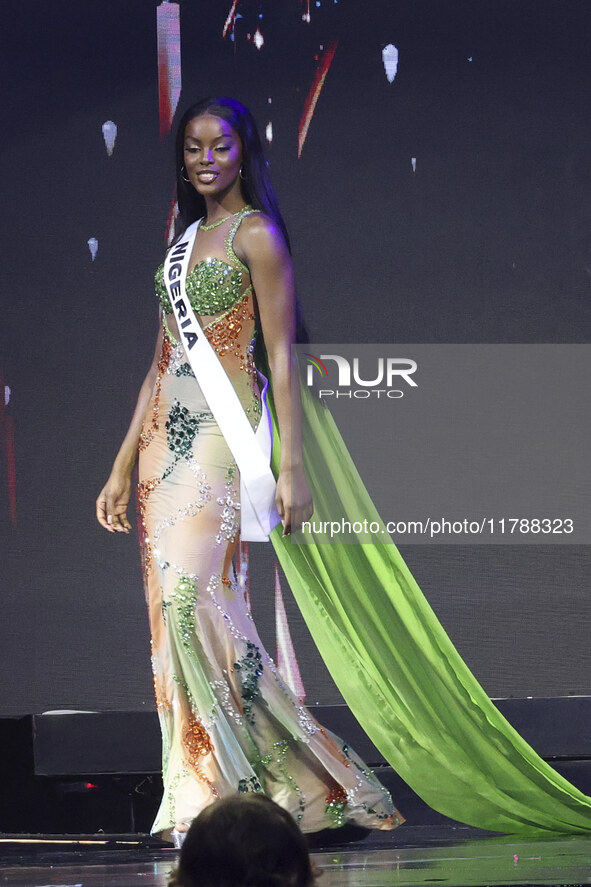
{"x":228,"y":721}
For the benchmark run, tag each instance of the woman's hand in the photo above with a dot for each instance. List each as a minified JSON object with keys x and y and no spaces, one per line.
{"x":293,"y":499}
{"x":111,"y":505}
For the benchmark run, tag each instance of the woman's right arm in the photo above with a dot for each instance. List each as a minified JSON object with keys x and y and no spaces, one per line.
{"x":112,"y":502}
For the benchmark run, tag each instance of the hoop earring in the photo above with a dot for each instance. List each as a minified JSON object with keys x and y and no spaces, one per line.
{"x":183,"y":177}
{"x":241,"y":173}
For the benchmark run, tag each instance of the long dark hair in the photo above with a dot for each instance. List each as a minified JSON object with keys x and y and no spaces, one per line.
{"x":244,"y":841}
{"x":257,"y":188}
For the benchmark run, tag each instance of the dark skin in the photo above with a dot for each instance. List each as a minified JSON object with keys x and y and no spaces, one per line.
{"x":213,"y":158}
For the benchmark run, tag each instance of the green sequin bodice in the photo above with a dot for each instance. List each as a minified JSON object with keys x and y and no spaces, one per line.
{"x":213,"y":286}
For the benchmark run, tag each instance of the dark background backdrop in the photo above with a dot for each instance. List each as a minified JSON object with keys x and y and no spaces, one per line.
{"x":488,"y":241}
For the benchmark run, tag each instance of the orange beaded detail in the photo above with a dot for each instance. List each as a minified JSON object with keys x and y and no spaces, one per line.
{"x":162,"y":701}
{"x":197,"y":741}
{"x":162,"y":704}
{"x":336,"y":795}
{"x":147,"y":434}
{"x":223,"y":334}
{"x":198,"y":745}
{"x":226,"y":581}
{"x":144,"y":488}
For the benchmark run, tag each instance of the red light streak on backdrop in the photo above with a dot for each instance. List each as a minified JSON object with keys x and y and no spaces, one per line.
{"x":170,"y":81}
{"x":324,"y":64}
{"x":168,"y":30}
{"x":230,"y":22}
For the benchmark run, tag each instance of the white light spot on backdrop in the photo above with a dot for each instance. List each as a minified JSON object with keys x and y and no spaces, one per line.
{"x":390,"y":60}
{"x":93,"y":247}
{"x":269,"y":132}
{"x":413,"y":163}
{"x":109,"y":134}
{"x":7,"y":393}
{"x":258,"y":39}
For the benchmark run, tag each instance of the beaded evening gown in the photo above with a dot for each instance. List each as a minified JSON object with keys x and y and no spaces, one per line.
{"x":229,"y":723}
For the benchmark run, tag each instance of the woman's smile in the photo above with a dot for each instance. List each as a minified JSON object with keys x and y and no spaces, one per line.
{"x":207,"y":176}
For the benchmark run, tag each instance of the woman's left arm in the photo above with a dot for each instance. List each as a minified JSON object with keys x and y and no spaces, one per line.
{"x":264,"y":250}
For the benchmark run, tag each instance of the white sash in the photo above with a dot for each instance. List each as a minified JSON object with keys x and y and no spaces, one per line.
{"x":251,"y":451}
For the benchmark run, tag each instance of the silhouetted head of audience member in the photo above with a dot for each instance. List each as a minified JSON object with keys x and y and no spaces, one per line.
{"x":245,"y":840}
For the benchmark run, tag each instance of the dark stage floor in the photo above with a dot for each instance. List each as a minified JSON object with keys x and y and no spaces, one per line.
{"x":413,"y":855}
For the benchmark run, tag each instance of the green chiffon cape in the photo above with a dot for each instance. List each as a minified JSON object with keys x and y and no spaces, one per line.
{"x":399,"y":672}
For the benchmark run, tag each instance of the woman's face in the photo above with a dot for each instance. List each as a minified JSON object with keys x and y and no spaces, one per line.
{"x":212,"y":156}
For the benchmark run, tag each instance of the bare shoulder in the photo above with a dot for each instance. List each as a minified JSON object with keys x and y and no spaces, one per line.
{"x":259,"y":237}
{"x":258,"y":224}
